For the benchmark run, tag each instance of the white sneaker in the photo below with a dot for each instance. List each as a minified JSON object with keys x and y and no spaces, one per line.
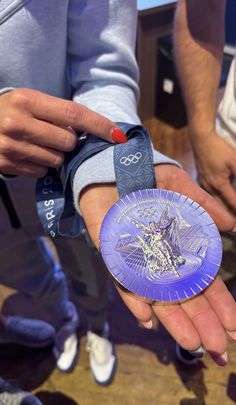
{"x":66,"y":349}
{"x":102,"y":358}
{"x":67,"y":359}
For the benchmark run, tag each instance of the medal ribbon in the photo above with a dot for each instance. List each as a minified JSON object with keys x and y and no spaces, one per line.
{"x":133,"y":162}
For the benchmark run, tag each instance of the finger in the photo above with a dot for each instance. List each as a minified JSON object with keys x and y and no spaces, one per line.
{"x":224,"y":204}
{"x":228,"y":195}
{"x":182,"y":183}
{"x":223,"y":219}
{"x":31,"y":130}
{"x":35,"y":154}
{"x":22,"y":168}
{"x":225,"y":307}
{"x":52,"y":136}
{"x":178,"y":325}
{"x":68,"y":113}
{"x":205,"y":185}
{"x":220,"y":215}
{"x":141,"y":310}
{"x":206,"y":322}
{"x":208,"y":188}
{"x":220,"y":201}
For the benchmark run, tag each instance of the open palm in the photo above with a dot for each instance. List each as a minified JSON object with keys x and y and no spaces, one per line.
{"x":206,"y":319}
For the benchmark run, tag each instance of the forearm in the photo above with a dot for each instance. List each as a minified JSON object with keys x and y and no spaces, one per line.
{"x":199,"y":41}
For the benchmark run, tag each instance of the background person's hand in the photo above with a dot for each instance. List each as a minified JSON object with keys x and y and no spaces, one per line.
{"x":216,"y":166}
{"x":35,"y":130}
{"x":204,"y":320}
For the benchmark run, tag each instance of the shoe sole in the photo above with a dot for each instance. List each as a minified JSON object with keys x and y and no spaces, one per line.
{"x":110,"y":379}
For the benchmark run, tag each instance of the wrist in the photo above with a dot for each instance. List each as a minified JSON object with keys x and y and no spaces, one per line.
{"x":201,"y":129}
{"x":202,"y":121}
{"x":200,"y":139}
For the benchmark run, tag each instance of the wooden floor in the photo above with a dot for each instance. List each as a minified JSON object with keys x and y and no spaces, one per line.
{"x":148,"y":372}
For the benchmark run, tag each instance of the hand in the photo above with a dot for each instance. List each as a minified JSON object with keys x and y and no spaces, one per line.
{"x":207,"y":318}
{"x":216,"y":165}
{"x":36,"y":130}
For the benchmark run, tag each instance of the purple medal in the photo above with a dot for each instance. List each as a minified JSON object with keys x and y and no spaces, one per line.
{"x":160,"y":245}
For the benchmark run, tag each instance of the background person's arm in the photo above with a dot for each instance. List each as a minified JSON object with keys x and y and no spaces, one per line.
{"x":199,"y":40}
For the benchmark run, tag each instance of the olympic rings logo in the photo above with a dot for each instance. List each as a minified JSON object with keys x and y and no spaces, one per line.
{"x":127,"y":160}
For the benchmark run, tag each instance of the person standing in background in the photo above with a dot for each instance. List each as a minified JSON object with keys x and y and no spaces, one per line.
{"x":199,"y":38}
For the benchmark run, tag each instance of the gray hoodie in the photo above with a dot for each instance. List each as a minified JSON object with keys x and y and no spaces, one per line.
{"x":77,"y":49}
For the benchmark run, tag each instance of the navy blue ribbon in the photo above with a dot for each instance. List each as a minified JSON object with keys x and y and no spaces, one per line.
{"x":133,"y":163}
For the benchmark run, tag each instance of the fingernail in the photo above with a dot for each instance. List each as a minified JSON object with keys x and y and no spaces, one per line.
{"x":118,"y":136}
{"x":199,"y":352}
{"x":232,"y":334}
{"x":221,"y":359}
{"x":147,"y":325}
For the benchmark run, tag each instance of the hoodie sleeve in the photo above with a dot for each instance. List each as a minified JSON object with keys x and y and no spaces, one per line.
{"x":102,"y":65}
{"x":104,"y":73}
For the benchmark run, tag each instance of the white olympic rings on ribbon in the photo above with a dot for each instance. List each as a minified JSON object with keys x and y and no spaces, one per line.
{"x":128,"y":160}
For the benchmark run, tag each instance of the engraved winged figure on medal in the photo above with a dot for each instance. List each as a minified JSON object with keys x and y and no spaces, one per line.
{"x":157,"y":250}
